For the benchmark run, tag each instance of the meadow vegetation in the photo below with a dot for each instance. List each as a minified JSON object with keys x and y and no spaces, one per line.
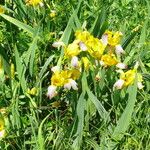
{"x":75,"y":74}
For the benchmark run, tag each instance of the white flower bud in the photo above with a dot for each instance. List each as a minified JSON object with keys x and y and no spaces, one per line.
{"x":74,"y":61}
{"x":102,"y":63}
{"x":51,"y":91}
{"x":2,"y":133}
{"x":136,"y":65}
{"x":119,"y":84}
{"x":82,"y":46}
{"x":71,"y":84}
{"x":140,"y":85}
{"x":119,"y":50}
{"x":41,"y":4}
{"x":104,"y":39}
{"x":121,"y":66}
{"x":58,"y":44}
{"x":55,"y":69}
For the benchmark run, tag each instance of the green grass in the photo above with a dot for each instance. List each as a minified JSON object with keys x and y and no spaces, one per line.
{"x":94,"y":117}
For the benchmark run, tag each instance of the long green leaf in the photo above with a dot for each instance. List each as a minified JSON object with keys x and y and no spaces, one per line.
{"x":100,"y":20}
{"x":40,"y":136}
{"x":19,"y":24}
{"x":20,"y":69}
{"x":125,"y":118}
{"x":45,"y":66}
{"x":80,"y":113}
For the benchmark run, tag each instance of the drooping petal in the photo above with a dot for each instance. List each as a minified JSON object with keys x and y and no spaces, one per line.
{"x":74,"y":62}
{"x":105,"y":39}
{"x":121,"y":66}
{"x":67,"y":86}
{"x":119,"y":50}
{"x":74,"y":84}
{"x":82,"y":46}
{"x":2,"y":133}
{"x":51,"y":91}
{"x":140,"y":85}
{"x":119,"y":84}
{"x":55,"y":69}
{"x":71,"y":84}
{"x":58,"y":44}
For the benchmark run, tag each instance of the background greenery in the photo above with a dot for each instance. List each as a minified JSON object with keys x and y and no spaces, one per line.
{"x":71,"y":121}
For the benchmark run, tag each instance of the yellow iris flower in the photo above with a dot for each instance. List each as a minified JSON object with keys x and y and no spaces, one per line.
{"x":82,"y":35}
{"x":61,"y":78}
{"x":72,"y":49}
{"x":114,"y":37}
{"x":109,"y":59}
{"x":33,"y":2}
{"x":95,"y":47}
{"x":128,"y":77}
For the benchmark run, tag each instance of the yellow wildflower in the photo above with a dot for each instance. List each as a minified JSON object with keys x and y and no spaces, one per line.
{"x":113,"y":37}
{"x":109,"y":59}
{"x":72,"y":49}
{"x":33,"y":2}
{"x":33,"y":91}
{"x":2,"y":10}
{"x":86,"y":63}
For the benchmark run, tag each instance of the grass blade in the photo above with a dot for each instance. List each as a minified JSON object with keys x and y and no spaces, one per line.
{"x":20,"y":69}
{"x":40,"y":136}
{"x":19,"y":24}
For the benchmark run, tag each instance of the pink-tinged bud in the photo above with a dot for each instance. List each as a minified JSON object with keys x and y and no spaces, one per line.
{"x":136,"y":65}
{"x":55,"y":69}
{"x":2,"y":133}
{"x":71,"y":84}
{"x":58,"y":44}
{"x":51,"y":91}
{"x":41,"y":4}
{"x":74,"y":62}
{"x":119,"y":50}
{"x":119,"y":84}
{"x":121,"y":66}
{"x":102,"y":63}
{"x":104,"y":39}
{"x":140,"y":85}
{"x":82,"y":46}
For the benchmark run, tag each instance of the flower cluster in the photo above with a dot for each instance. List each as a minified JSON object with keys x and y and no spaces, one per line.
{"x":62,"y":78}
{"x":86,"y":51}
